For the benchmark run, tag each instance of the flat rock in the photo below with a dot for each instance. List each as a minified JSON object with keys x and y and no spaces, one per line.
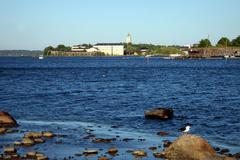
{"x":112,"y":151}
{"x":33,"y":135}
{"x":48,"y":134}
{"x":10,"y":150}
{"x":38,"y":140}
{"x":31,"y":154}
{"x":102,"y":140}
{"x":27,"y":142}
{"x":158,"y":155}
{"x":139,"y":153}
{"x":90,"y":152}
{"x":3,"y":130}
{"x":159,"y":113}
{"x":6,"y":120}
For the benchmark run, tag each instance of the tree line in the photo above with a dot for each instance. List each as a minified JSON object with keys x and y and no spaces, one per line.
{"x":223,"y":42}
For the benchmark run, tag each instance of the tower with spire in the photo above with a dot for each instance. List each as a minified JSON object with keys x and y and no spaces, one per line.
{"x":129,"y":39}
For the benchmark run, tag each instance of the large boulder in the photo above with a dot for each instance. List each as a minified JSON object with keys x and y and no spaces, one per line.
{"x":191,"y":147}
{"x":6,"y":120}
{"x":159,"y":113}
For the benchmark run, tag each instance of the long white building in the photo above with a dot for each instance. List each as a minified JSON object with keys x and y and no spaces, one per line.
{"x":111,"y":49}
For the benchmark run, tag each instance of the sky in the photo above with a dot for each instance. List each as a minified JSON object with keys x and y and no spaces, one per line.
{"x":35,"y":24}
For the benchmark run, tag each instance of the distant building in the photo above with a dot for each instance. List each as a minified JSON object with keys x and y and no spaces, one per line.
{"x":92,"y":49}
{"x":175,"y":55}
{"x":129,"y":39}
{"x":144,"y":50}
{"x":78,"y":48}
{"x":111,"y":49}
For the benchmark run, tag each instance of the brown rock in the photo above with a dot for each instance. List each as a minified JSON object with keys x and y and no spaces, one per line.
{"x":31,"y":154}
{"x":15,"y":157}
{"x":33,"y":135}
{"x":90,"y":152}
{"x":6,"y":120}
{"x":3,"y":130}
{"x":159,"y":113}
{"x":103,"y":158}
{"x":42,"y":158}
{"x":112,"y":151}
{"x":158,"y":155}
{"x":153,"y":148}
{"x":48,"y":134}
{"x":139,"y":153}
{"x":162,"y":133}
{"x":38,"y":140}
{"x":17,"y":143}
{"x":166,"y":143}
{"x":27,"y":142}
{"x":10,"y":150}
{"x":102,"y":140}
{"x":191,"y":147}
{"x":223,"y":151}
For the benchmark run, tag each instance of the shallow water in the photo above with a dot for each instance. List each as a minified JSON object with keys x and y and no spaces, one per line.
{"x":73,"y":92}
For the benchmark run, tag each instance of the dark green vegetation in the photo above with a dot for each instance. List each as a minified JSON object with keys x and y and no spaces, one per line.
{"x":223,"y":42}
{"x":60,"y":47}
{"x":150,"y":49}
{"x":205,"y":43}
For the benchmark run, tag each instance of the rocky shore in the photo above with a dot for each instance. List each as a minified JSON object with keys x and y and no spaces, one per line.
{"x":185,"y":147}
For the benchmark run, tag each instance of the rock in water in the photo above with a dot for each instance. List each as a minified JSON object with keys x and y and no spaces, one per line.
{"x":159,"y":113}
{"x":191,"y":147}
{"x":6,"y":120}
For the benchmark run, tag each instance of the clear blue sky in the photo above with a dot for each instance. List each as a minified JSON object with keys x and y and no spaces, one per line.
{"x":35,"y":24}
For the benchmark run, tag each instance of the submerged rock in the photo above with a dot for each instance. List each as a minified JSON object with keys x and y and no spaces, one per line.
{"x":162,"y":133}
{"x":103,"y":158}
{"x":159,"y":113}
{"x":191,"y":147}
{"x":103,"y":140}
{"x":6,"y":120}
{"x":152,"y":148}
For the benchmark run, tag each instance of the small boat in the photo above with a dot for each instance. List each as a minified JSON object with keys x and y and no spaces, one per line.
{"x":40,"y":57}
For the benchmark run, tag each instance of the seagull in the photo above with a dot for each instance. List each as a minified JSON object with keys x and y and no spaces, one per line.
{"x":185,"y":129}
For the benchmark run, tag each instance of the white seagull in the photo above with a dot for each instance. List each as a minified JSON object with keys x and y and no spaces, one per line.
{"x":185,"y":129}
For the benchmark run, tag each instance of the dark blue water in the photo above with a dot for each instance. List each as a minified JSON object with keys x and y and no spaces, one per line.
{"x":117,"y":91}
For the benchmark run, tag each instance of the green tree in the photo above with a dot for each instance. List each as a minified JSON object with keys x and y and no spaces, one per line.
{"x":62,"y":47}
{"x":205,"y":43}
{"x":236,"y":42}
{"x":47,"y":50}
{"x":223,"y":42}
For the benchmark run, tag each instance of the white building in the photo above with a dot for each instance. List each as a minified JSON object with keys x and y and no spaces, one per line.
{"x":129,"y":39}
{"x":93,"y":49}
{"x":111,"y":49}
{"x":78,"y":48}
